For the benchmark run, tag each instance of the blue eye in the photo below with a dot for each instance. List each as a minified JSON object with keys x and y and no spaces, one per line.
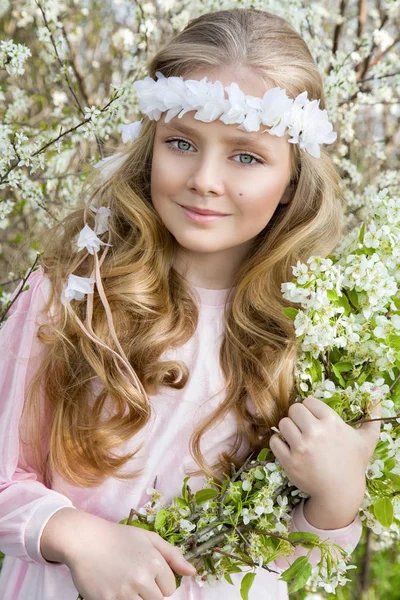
{"x":175,"y":149}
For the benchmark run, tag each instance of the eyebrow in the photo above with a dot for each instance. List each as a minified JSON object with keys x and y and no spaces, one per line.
{"x":237,"y":139}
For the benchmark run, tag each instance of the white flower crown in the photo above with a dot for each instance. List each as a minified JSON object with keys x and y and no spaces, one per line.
{"x":301,"y":118}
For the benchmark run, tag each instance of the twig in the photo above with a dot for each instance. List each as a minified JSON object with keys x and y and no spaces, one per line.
{"x":247,"y":562}
{"x":3,"y":314}
{"x":394,"y":382}
{"x":233,"y":478}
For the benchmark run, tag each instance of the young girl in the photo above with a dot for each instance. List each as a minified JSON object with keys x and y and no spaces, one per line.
{"x":170,"y":355}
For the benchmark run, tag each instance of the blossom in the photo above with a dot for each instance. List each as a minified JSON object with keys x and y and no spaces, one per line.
{"x":110,"y":164}
{"x":102,"y":218}
{"x":131,"y":131}
{"x":76,"y":288}
{"x":374,"y":470}
{"x":310,"y":126}
{"x":89,"y":240}
{"x":186,"y":525}
{"x":13,"y":56}
{"x":91,"y":113}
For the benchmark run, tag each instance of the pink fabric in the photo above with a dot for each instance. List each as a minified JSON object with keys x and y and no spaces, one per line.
{"x":26,"y":504}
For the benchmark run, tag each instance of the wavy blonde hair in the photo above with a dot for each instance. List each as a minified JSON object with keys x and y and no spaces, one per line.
{"x":152,"y":305}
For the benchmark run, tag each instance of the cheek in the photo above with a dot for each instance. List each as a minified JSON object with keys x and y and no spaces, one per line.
{"x":262,"y":198}
{"x":164,"y":175}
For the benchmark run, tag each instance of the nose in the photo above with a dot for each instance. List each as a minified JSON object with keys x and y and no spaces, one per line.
{"x":206,"y":176}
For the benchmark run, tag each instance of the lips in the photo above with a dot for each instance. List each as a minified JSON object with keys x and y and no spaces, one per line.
{"x":203,"y":211}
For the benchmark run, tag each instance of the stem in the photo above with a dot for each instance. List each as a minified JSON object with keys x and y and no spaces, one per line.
{"x":233,"y":478}
{"x":214,"y":541}
{"x":3,"y":314}
{"x":247,"y":562}
{"x":394,"y":382}
{"x":370,"y":420}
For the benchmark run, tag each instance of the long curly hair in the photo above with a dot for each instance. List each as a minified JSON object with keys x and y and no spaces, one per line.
{"x":153,"y":308}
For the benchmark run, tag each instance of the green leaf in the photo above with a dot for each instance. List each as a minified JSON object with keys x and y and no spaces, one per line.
{"x":383,"y":510}
{"x":228,"y":578}
{"x":316,"y":370}
{"x":338,"y":376}
{"x":234,"y":569}
{"x":353,"y":297}
{"x":395,"y":479}
{"x":394,"y":341}
{"x":205,"y":495}
{"x":332,"y":295}
{"x":343,"y":301}
{"x":263,"y":454}
{"x":361,"y":234}
{"x":290,"y":312}
{"x":300,"y":581}
{"x":390,"y":464}
{"x":224,"y":486}
{"x":298,"y":536}
{"x":137,"y":523}
{"x":344,"y":366}
{"x":246,"y":584}
{"x":181,"y":502}
{"x":161,"y":517}
{"x":185,"y":490}
{"x":297,"y":574}
{"x":295,"y":568}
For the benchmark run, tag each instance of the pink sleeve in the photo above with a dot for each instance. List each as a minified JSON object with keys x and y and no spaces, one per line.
{"x":26,"y":504}
{"x":347,"y":537}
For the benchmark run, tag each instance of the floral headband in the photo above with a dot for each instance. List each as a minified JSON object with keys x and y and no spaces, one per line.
{"x":300,"y":118}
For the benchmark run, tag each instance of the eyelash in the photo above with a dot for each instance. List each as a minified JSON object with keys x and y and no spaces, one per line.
{"x":174,"y":149}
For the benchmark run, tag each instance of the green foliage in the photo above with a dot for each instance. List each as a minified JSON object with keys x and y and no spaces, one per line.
{"x":246,"y":584}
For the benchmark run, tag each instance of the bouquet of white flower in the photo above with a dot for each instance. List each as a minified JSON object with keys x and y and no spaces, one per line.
{"x":348,"y":328}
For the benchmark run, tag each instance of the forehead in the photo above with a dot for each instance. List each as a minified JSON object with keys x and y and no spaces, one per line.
{"x":228,"y":134}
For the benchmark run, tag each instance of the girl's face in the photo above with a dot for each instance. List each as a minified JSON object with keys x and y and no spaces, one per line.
{"x":201,"y":165}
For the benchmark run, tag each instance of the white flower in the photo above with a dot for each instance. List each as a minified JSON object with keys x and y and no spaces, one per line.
{"x":91,"y":113}
{"x":186,"y":525}
{"x":76,"y":288}
{"x":310,"y":126}
{"x":89,"y":240}
{"x":207,"y":579}
{"x":102,"y":218}
{"x":276,"y":110}
{"x":13,"y":56}
{"x":110,"y":163}
{"x":374,"y":470}
{"x":131,"y":131}
{"x":246,"y":485}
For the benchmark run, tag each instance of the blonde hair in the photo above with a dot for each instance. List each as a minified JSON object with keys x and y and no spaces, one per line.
{"x":152,"y":306}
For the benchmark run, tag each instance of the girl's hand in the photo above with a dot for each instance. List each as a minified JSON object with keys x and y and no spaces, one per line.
{"x":321,"y":454}
{"x":112,"y":561}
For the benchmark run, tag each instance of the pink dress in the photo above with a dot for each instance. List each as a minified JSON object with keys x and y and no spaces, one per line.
{"x":26,"y":504}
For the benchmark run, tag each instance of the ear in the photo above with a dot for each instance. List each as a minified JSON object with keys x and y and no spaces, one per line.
{"x":288,"y":194}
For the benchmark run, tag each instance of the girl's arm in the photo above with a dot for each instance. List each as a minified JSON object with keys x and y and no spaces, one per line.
{"x":26,"y":504}
{"x":347,"y":537}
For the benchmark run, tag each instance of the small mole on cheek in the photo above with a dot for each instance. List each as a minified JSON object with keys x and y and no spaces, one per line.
{"x":240,"y":194}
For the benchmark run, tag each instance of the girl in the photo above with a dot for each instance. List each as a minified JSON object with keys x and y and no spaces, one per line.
{"x":179,"y":360}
